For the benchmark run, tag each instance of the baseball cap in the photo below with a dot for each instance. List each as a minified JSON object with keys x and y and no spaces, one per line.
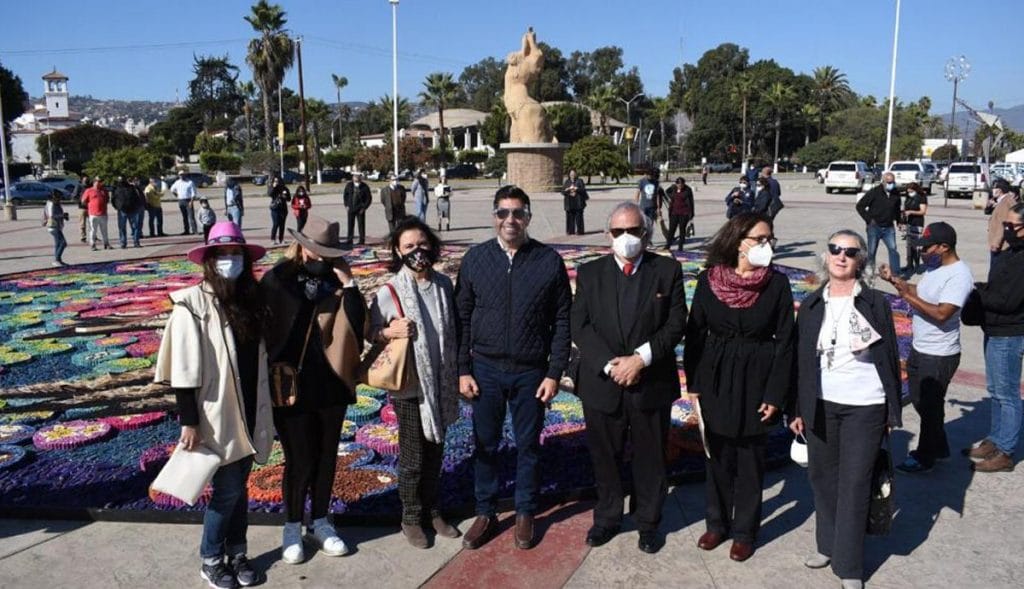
{"x":936,"y":233}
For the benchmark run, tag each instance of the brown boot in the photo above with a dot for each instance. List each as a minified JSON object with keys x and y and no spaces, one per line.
{"x":524,"y":531}
{"x":984,"y":450}
{"x":444,"y":528}
{"x":480,"y":532}
{"x":414,"y":534}
{"x":998,"y":462}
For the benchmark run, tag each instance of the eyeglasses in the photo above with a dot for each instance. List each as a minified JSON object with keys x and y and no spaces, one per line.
{"x":849,"y":252}
{"x":517,"y":214}
{"x":634,"y":231}
{"x":763,"y":239}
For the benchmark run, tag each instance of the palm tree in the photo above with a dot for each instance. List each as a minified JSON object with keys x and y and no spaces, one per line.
{"x":779,"y":97}
{"x":741,"y":91}
{"x":247,"y":90}
{"x":832,"y":90}
{"x":602,"y":100}
{"x":808,"y":113}
{"x":440,"y":90}
{"x":663,"y":109}
{"x":270,"y":54}
{"x":385,"y":106}
{"x":339,"y":83}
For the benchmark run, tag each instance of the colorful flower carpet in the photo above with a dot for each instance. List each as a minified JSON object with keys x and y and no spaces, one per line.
{"x":82,"y":426}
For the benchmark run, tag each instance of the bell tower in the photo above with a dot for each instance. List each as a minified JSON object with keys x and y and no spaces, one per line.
{"x":55,"y":91}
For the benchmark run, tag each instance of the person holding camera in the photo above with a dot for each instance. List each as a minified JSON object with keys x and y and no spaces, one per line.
{"x":53,"y":219}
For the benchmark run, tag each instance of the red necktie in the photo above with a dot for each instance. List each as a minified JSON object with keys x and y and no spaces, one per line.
{"x":627,"y":268}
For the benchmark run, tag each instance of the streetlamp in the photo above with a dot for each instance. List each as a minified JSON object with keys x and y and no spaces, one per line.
{"x":629,"y":152}
{"x":9,"y":212}
{"x":892,"y":85}
{"x":957,"y":69}
{"x":49,"y":146}
{"x":394,"y":80}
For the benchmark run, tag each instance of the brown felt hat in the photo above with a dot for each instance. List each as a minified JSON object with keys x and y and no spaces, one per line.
{"x":320,"y":236}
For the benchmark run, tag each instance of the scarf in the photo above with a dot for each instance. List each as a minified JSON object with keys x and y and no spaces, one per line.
{"x":735,"y":291}
{"x":438,"y":398}
{"x":317,"y":288}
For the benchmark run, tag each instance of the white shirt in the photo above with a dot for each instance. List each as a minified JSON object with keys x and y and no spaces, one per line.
{"x":846,"y":378}
{"x":644,"y":351}
{"x":946,"y":284}
{"x":184,"y":189}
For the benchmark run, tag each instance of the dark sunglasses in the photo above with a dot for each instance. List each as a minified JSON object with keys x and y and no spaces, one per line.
{"x":1012,"y":226}
{"x":518,"y":214}
{"x":634,"y":231}
{"x":850,"y":252}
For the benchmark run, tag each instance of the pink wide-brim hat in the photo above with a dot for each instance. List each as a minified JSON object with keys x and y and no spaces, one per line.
{"x":225,"y":233}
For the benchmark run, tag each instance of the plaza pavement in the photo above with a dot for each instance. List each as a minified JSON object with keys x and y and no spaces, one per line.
{"x":954,"y":528}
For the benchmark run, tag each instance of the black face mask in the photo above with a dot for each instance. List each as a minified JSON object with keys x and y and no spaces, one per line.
{"x":317,"y":268}
{"x":1011,"y":237}
{"x":418,"y":260}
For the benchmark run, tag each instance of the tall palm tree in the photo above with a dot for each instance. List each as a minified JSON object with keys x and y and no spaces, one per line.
{"x":808,"y":114}
{"x":339,"y":83}
{"x":385,"y":106}
{"x":439,"y":89}
{"x":779,"y":97}
{"x":831,"y":91}
{"x":270,"y":54}
{"x":602,"y":100}
{"x":247,"y":90}
{"x":663,"y":109}
{"x":741,"y":90}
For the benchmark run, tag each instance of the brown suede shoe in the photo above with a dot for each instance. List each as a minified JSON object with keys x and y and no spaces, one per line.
{"x":998,"y":462}
{"x":414,"y":534}
{"x":710,"y":540}
{"x":741,"y":551}
{"x":524,"y":531}
{"x":444,"y":528}
{"x":984,"y":450}
{"x":480,"y":532}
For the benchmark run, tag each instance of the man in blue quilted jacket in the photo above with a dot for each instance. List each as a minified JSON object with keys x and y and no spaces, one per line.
{"x":512,"y":299}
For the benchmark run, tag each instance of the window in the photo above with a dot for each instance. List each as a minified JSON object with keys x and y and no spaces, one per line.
{"x":842,"y":168}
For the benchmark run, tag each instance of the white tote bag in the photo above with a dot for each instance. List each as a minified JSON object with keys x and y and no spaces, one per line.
{"x":187,"y":473}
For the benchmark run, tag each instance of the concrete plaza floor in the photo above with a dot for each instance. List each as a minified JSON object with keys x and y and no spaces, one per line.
{"x":955,"y":528}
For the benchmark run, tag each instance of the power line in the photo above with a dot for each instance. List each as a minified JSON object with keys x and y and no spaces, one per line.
{"x":141,"y":47}
{"x":385,"y":52}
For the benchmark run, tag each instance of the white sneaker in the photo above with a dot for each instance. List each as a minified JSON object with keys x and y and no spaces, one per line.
{"x":817,"y":561}
{"x":852,"y":584}
{"x":293,"y":554}
{"x":329,"y":542}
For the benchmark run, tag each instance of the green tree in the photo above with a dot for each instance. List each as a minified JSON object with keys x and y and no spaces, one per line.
{"x":553,"y":82}
{"x":819,"y":153}
{"x":495,"y":128}
{"x":214,"y":91}
{"x":125,"y":161}
{"x":78,"y":145}
{"x":569,"y":122}
{"x":780,"y":97}
{"x":740,"y":91}
{"x":808,"y":114}
{"x":597,"y":155}
{"x":945,"y":153}
{"x":14,"y":98}
{"x":339,"y":158}
{"x":212,"y":161}
{"x":591,"y":70}
{"x":374,"y":158}
{"x":339,"y":83}
{"x":602,"y":100}
{"x":483,"y":84}
{"x":663,"y":110}
{"x":209,"y":143}
{"x":831,"y":93}
{"x":269,"y":55}
{"x":702,"y":90}
{"x":247,"y":92}
{"x":180,"y":129}
{"x":439,"y":89}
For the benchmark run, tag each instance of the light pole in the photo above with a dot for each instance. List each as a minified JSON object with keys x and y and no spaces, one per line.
{"x":394,"y":80}
{"x":956,"y":71}
{"x":9,"y":213}
{"x":629,"y":151}
{"x":892,"y":86}
{"x":49,"y":146}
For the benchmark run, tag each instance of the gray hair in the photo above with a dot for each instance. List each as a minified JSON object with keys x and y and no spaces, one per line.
{"x":627,"y":205}
{"x":865,"y":271}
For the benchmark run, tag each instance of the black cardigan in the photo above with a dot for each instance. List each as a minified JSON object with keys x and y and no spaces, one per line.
{"x":875,"y":308}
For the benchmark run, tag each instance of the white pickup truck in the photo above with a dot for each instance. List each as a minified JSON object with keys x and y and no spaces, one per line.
{"x":909,"y":171}
{"x":964,"y":178}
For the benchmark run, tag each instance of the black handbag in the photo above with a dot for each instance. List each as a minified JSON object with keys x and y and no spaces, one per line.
{"x":284,"y":378}
{"x":883,"y":504}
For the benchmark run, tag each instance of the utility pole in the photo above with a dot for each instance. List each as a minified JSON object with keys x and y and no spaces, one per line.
{"x":280,"y":129}
{"x":394,"y":80}
{"x":302,"y":116}
{"x":892,"y":86}
{"x":9,"y":212}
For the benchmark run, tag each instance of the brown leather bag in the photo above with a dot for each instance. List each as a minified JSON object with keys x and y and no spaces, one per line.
{"x":284,"y":378}
{"x":386,"y":366}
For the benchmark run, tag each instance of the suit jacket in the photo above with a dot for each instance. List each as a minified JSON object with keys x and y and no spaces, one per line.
{"x":393,"y":201}
{"x":577,"y":202}
{"x":357,"y":200}
{"x":596,"y":329}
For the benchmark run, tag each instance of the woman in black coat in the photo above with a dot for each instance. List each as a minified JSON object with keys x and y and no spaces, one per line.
{"x":739,"y":361}
{"x":848,"y":395}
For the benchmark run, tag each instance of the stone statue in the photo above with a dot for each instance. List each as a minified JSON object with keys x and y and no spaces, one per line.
{"x":529,"y":121}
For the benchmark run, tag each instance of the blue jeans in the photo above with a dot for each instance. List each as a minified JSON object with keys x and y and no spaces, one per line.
{"x":59,"y":243}
{"x":878,"y":233}
{"x":235,"y":215}
{"x":278,"y":218}
{"x":519,"y":390}
{"x":227,"y":516}
{"x":1003,"y":357}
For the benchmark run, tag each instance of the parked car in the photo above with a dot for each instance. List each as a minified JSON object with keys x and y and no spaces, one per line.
{"x":69,"y":184}
{"x":911,"y":171}
{"x":290,"y":177}
{"x":846,"y":175}
{"x":335,"y":176}
{"x":819,"y":176}
{"x":964,"y":178}
{"x":720,"y":167}
{"x":199,"y":179}
{"x":35,"y":192}
{"x":462,"y":171}
{"x":1009,"y":172}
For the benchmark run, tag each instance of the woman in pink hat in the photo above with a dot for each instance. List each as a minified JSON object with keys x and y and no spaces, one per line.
{"x":219,"y":376}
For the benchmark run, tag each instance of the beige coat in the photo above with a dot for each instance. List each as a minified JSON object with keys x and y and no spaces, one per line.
{"x":995,"y":222}
{"x":198,"y":352}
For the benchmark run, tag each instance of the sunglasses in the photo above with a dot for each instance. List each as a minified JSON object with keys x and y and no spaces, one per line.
{"x":517,"y":214}
{"x":1012,"y":226}
{"x":634,"y":231}
{"x":849,"y":252}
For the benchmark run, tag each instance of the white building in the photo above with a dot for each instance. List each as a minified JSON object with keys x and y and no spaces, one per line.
{"x":53,"y":115}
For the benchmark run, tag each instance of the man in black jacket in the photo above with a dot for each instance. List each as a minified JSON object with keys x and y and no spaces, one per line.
{"x":357,"y":199}
{"x":628,"y":316}
{"x":512,"y":298}
{"x":574,"y":200}
{"x":127,"y":200}
{"x":880,"y":209}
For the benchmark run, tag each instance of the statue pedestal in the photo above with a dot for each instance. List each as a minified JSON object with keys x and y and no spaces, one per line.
{"x":535,"y":167}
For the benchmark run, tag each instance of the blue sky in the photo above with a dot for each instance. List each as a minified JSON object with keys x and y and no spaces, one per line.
{"x":353,"y":38}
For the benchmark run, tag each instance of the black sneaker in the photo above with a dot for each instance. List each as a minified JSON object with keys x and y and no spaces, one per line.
{"x":219,"y":576}
{"x":244,"y":573}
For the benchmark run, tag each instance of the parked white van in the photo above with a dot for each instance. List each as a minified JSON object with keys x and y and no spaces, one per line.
{"x":846,"y":175}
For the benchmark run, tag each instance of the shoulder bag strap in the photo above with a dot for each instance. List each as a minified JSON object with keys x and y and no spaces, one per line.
{"x":305,"y":343}
{"x":398,"y":304}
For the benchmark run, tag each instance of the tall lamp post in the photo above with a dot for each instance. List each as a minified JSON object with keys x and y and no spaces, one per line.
{"x":892,"y":86}
{"x":9,"y":212}
{"x":956,"y":71}
{"x":629,"y":144}
{"x":394,"y":80}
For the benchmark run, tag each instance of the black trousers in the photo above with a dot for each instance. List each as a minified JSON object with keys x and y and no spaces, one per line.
{"x":419,"y":465}
{"x":574,"y":222}
{"x":278,"y":218}
{"x":647,"y":431}
{"x":301,"y":218}
{"x":354,"y":217}
{"x":841,"y":453}
{"x":677,"y":222}
{"x":929,"y":378}
{"x":310,"y":443}
{"x":735,"y":478}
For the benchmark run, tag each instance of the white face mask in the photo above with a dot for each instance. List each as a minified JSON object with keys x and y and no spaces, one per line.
{"x":230,"y":267}
{"x":911,"y":194}
{"x":627,"y":246}
{"x":760,"y":255}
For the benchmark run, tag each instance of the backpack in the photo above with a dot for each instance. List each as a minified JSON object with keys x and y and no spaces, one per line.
{"x":774,"y":206}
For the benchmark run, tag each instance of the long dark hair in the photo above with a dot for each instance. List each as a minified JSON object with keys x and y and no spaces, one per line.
{"x":725,"y":245}
{"x":408,"y":224}
{"x":240,"y":299}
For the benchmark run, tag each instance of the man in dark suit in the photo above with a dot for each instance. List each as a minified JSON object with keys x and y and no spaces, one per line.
{"x":628,"y":316}
{"x":357,"y":199}
{"x":392,"y":197}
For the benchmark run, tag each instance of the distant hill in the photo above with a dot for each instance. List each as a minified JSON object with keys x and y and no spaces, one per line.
{"x":1012,"y":117}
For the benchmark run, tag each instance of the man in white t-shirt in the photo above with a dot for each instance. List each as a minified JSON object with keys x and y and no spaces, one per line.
{"x":185,"y":191}
{"x":935,"y":354}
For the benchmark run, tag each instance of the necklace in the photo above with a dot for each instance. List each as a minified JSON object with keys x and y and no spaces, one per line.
{"x":835,"y":318}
